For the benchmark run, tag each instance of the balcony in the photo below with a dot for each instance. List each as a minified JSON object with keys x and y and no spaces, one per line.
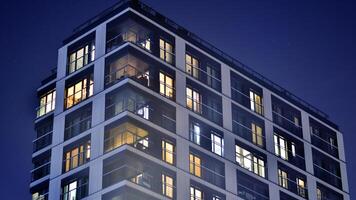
{"x":139,"y":177}
{"x":40,"y":171}
{"x":250,"y":102}
{"x":247,"y":193}
{"x":148,"y":108}
{"x":42,"y":141}
{"x":77,"y":127}
{"x":294,"y":187}
{"x":327,"y":176}
{"x":204,"y":110}
{"x":141,"y":38}
{"x":287,"y":124}
{"x":254,"y":136}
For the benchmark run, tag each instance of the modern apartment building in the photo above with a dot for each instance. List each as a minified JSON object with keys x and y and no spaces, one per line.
{"x":141,"y":108}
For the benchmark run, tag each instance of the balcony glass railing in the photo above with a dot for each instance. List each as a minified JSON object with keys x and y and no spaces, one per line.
{"x":204,"y":77}
{"x":42,"y":141}
{"x":247,"y":133}
{"x":287,"y":124}
{"x":327,"y":176}
{"x":247,"y":101}
{"x":293,"y":186}
{"x":141,"y":40}
{"x":77,"y":128}
{"x":40,"y":171}
{"x":146,"y":110}
{"x":290,"y":156}
{"x":208,"y":174}
{"x":247,"y":193}
{"x":204,"y":110}
{"x":324,"y":145}
{"x":139,"y":177}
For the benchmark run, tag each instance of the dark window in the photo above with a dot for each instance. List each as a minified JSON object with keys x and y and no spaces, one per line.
{"x":78,"y":121}
{"x":43,"y":134}
{"x":327,"y":169}
{"x":251,"y":188}
{"x":323,"y":137}
{"x":286,"y":116}
{"x":41,"y":166}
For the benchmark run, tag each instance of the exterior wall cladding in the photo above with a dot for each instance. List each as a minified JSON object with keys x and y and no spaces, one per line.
{"x":140,"y":108}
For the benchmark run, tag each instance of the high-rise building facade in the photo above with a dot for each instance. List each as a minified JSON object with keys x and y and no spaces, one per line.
{"x":141,"y":108}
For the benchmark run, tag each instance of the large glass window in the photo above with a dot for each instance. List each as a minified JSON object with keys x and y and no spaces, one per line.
{"x":192,"y":66}
{"x":79,"y":91}
{"x":125,"y":133}
{"x":194,"y":165}
{"x":167,"y":152}
{"x":166,"y":51}
{"x":47,"y":103}
{"x":194,"y":100}
{"x":195,"y":193}
{"x":217,"y":144}
{"x":281,"y":147}
{"x":166,"y":85}
{"x":167,"y":186}
{"x":75,"y":190}
{"x":257,"y":137}
{"x":81,"y":57}
{"x":256,"y":102}
{"x":76,"y":156}
{"x":195,"y":137}
{"x":250,"y":161}
{"x":283,"y":178}
{"x":301,"y":187}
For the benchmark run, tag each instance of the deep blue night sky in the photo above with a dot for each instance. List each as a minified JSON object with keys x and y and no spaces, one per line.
{"x":307,"y":47}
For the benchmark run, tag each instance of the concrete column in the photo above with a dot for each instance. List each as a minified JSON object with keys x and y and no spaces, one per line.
{"x":99,"y":74}
{"x":95,"y":176}
{"x":308,"y":156}
{"x":341,"y":147}
{"x":230,"y":177}
{"x":100,"y":40}
{"x":227,"y":114}
{"x":269,"y":134}
{"x":273,"y":192}
{"x":58,"y":129}
{"x":344,"y":178}
{"x":180,"y":53}
{"x":305,"y":126}
{"x":229,"y":147}
{"x":60,"y":87}
{"x":98,"y":111}
{"x":311,"y":184}
{"x":56,"y":161}
{"x":225,"y":80}
{"x":62,"y":62}
{"x":183,"y":182}
{"x":267,"y":104}
{"x":54,"y":189}
{"x":180,"y":89}
{"x":272,"y":169}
